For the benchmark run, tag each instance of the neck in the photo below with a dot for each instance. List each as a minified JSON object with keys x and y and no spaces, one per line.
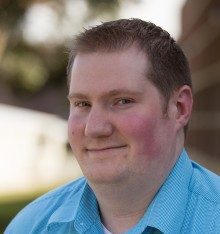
{"x":122,"y":205}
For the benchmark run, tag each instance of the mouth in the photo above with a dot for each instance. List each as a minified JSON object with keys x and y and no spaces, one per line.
{"x":105,"y":148}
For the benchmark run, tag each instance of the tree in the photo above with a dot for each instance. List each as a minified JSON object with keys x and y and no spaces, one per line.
{"x":33,"y":74}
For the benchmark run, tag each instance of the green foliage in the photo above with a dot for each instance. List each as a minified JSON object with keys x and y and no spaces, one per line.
{"x":26,"y":67}
{"x":8,"y":210}
{"x":104,"y":6}
{"x":24,"y":70}
{"x":33,"y":70}
{"x":11,"y":11}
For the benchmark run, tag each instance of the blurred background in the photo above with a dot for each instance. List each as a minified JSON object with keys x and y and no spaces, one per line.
{"x":34,"y":34}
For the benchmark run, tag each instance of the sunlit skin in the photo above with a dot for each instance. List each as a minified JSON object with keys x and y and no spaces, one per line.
{"x":118,"y":131}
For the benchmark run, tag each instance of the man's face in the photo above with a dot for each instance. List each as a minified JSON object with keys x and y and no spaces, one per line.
{"x":117,"y":128}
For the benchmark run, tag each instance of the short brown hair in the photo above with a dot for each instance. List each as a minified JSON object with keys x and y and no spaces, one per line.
{"x":169,"y":66}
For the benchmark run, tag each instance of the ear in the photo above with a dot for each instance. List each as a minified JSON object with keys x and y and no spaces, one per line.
{"x":183,"y":101}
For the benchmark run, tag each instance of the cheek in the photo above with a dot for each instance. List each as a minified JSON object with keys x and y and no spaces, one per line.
{"x":75,"y":131}
{"x":141,"y":132}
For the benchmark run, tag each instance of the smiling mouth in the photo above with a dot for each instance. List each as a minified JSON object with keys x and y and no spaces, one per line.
{"x":105,"y":148}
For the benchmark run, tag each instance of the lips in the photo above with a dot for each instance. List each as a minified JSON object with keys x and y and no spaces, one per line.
{"x":94,"y":149}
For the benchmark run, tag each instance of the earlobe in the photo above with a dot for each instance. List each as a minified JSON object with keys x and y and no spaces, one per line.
{"x":184,"y":102}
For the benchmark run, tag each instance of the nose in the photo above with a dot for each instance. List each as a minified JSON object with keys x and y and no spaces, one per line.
{"x":98,"y":123}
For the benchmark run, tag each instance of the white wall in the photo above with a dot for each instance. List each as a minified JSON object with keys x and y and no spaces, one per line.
{"x":33,"y":151}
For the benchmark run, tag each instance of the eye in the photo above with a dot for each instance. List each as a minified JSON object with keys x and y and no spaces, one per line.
{"x":81,"y":104}
{"x":124,"y":101}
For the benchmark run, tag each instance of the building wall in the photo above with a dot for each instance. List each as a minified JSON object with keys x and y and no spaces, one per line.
{"x":200,"y":40}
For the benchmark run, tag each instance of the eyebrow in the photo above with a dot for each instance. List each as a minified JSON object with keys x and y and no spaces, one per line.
{"x":77,"y":96}
{"x":110,"y":93}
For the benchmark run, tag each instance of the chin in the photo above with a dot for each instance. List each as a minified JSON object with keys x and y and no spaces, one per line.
{"x":105,"y":176}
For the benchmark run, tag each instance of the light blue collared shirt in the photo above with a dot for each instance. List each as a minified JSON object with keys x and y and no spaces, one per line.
{"x":187,"y":202}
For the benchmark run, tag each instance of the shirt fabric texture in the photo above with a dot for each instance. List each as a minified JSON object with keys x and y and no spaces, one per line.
{"x":187,"y":202}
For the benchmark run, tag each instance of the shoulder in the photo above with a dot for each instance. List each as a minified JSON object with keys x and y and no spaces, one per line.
{"x":37,"y":213}
{"x":204,"y":201}
{"x":205,"y":183}
{"x":64,"y":192}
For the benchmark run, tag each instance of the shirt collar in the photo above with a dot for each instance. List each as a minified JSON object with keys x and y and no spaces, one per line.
{"x":66,"y":213}
{"x":169,"y":204}
{"x":88,"y":211}
{"x":81,"y":208}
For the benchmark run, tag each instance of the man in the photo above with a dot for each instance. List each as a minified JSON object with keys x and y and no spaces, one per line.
{"x":130,"y":102}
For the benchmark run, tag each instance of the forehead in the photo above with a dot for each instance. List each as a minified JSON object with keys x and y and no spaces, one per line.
{"x":110,"y":67}
{"x":127,"y":57}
